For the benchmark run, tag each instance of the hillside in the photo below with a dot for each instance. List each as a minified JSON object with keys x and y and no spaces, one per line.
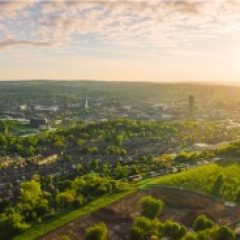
{"x":219,"y":180}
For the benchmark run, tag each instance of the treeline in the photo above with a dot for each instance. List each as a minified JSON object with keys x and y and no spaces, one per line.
{"x":110,"y":137}
{"x":229,"y":150}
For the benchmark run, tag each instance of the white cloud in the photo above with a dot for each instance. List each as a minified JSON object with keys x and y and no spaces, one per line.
{"x":10,"y":9}
{"x":153,"y":23}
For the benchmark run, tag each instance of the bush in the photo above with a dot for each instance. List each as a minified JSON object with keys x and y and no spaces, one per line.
{"x":143,"y":228}
{"x":202,"y":223}
{"x":225,"y":233}
{"x":204,"y":235}
{"x":11,"y":224}
{"x":151,"y":207}
{"x":64,"y":199}
{"x":190,"y":236}
{"x":137,"y":233}
{"x":173,"y":230}
{"x":97,"y":232}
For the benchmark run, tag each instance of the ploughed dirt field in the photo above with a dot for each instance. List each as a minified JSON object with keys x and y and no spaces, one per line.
{"x":180,"y":205}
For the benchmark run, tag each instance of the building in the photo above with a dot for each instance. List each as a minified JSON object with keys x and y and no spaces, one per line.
{"x":46,"y":108}
{"x":191,"y":105}
{"x":86,"y":106}
{"x":36,"y":123}
{"x":23,"y":107}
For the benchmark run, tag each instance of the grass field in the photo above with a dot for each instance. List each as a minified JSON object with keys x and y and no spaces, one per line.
{"x":219,"y":180}
{"x":64,"y":218}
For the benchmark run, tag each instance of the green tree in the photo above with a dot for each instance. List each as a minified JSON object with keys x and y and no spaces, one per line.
{"x":218,"y":185}
{"x":97,"y":232}
{"x":202,"y":223}
{"x":190,"y":236}
{"x":64,"y":199}
{"x":151,"y":207}
{"x":30,"y":192}
{"x":225,"y":233}
{"x":11,"y":225}
{"x":173,"y":230}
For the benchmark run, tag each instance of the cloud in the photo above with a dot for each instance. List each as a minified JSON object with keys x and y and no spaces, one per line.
{"x":14,"y":42}
{"x":10,"y":9}
{"x":152,"y":23}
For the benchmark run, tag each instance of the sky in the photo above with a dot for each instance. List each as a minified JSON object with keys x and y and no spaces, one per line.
{"x":114,"y":40}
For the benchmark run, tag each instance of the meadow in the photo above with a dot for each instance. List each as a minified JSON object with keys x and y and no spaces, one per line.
{"x":220,"y":180}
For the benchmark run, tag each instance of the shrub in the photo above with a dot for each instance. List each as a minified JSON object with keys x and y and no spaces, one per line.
{"x":190,"y":236}
{"x":65,"y":199}
{"x":225,"y":233}
{"x":173,"y":230}
{"x":97,"y":232}
{"x":202,"y":223}
{"x":151,"y":207}
{"x":144,"y":228}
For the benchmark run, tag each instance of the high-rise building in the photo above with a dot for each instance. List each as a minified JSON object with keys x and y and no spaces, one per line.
{"x":191,"y":104}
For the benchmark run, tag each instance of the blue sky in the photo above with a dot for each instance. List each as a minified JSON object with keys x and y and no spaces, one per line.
{"x":132,"y":40}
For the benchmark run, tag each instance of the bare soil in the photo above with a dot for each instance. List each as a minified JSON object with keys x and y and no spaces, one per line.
{"x":180,"y":205}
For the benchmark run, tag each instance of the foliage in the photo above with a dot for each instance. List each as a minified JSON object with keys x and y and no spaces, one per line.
{"x":202,"y":223}
{"x":151,"y":207}
{"x":96,"y":232}
{"x":220,"y":180}
{"x":34,"y":204}
{"x":225,"y":233}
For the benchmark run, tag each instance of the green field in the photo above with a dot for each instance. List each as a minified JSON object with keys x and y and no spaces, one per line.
{"x":64,"y":218}
{"x":219,"y":180}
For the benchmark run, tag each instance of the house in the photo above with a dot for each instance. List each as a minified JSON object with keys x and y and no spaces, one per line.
{"x":135,"y":177}
{"x":154,"y":174}
{"x":46,"y":108}
{"x":23,"y":107}
{"x":36,"y":123}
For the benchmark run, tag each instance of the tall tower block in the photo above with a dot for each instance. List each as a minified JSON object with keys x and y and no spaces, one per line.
{"x":191,"y":104}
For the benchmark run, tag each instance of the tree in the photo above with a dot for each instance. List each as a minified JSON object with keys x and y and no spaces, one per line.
{"x":94,"y":165}
{"x":202,"y":223}
{"x":151,"y":207}
{"x":173,"y":230}
{"x":225,"y":233}
{"x":218,"y":185}
{"x":205,"y":235}
{"x":64,"y":199}
{"x":30,"y":192}
{"x":143,"y":228}
{"x":11,"y":224}
{"x":97,"y":232}
{"x":190,"y":236}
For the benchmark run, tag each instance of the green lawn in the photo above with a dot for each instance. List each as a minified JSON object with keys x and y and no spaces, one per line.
{"x":219,"y":180}
{"x":64,"y":218}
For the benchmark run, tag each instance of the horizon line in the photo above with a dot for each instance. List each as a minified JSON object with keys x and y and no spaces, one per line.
{"x":232,"y":83}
